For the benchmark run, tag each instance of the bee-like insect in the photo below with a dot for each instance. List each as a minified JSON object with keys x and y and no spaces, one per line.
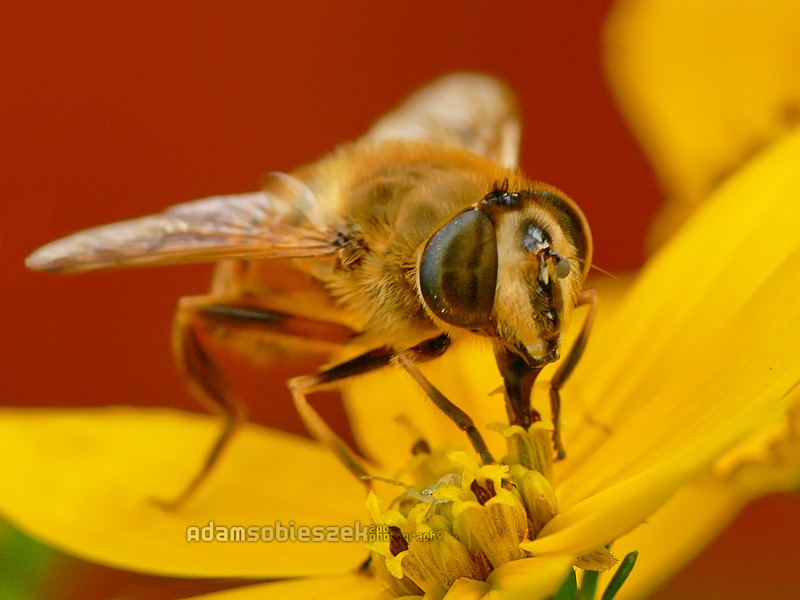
{"x":419,"y":233}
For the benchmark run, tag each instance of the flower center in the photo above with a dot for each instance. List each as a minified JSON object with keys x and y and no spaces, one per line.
{"x":461,"y":518}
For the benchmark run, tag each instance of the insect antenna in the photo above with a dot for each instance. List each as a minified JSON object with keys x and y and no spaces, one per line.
{"x":596,"y":268}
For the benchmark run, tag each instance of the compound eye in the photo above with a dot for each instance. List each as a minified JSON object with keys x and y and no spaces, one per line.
{"x":458,"y":270}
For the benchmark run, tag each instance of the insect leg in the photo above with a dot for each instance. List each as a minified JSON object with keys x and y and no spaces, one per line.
{"x":588,"y":297}
{"x":428,"y":350}
{"x":199,"y":314}
{"x":316,"y":425}
{"x":370,"y":361}
{"x":206,"y":384}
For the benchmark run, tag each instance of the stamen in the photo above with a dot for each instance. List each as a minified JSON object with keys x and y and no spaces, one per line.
{"x":397,"y":543}
{"x":483,"y":494}
{"x":463,"y":519}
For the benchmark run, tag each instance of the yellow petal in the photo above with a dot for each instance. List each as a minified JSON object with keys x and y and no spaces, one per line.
{"x":467,"y":375}
{"x":704,"y":85}
{"x":529,"y":578}
{"x":705,"y":330}
{"x":612,"y":512}
{"x":706,"y":356}
{"x":691,"y":519}
{"x":467,"y":589}
{"x":769,"y":459}
{"x":738,"y":385}
{"x":676,"y":533}
{"x":80,"y":480}
{"x":352,"y":586}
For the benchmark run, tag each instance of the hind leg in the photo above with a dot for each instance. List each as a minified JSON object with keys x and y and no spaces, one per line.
{"x":196,"y":320}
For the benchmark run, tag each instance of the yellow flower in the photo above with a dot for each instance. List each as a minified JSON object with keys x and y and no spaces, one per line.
{"x":684,"y":407}
{"x":669,"y":375}
{"x":687,"y":386}
{"x":705,"y":86}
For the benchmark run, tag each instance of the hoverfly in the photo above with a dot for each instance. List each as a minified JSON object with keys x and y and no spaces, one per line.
{"x":422,"y":232}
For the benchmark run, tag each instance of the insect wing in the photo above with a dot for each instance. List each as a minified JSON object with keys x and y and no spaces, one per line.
{"x":277,"y":223}
{"x":477,"y":112}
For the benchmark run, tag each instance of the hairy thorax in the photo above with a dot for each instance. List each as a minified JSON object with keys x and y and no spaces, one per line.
{"x":391,"y":209}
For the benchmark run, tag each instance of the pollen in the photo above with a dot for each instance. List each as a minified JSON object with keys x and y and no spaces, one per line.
{"x":461,"y":519}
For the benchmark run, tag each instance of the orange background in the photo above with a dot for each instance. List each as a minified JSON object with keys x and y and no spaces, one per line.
{"x":113,"y":110}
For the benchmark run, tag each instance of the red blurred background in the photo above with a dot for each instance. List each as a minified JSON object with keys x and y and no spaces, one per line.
{"x":114,"y":110}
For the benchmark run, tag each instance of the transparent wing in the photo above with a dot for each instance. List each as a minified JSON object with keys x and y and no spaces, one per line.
{"x":474,"y":111}
{"x":280,"y":222}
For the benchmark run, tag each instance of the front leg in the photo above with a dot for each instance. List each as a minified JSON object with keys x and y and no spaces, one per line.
{"x":566,"y":367}
{"x":428,"y":350}
{"x":371,"y":361}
